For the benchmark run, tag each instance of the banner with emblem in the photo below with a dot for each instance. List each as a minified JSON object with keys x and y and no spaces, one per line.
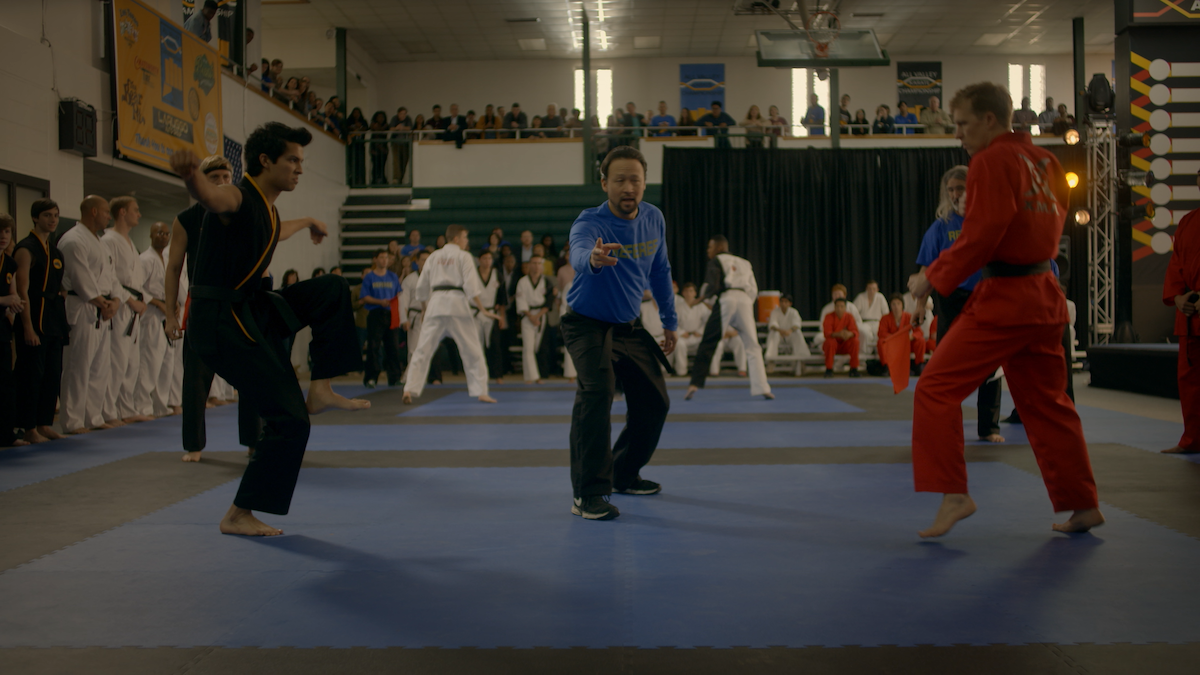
{"x":166,"y":87}
{"x":916,"y":81}
{"x":700,"y":84}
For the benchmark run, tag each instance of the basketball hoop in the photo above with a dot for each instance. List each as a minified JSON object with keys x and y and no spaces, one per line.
{"x":823,"y":29}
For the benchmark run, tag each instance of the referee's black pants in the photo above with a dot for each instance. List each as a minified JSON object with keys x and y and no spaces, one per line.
{"x":197,"y":383}
{"x":382,"y":337}
{"x":707,"y":347}
{"x":603,"y":354}
{"x":948,"y":307}
{"x":242,"y":342}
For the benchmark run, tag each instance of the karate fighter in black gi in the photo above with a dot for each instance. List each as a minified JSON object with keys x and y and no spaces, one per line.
{"x":237,"y":327}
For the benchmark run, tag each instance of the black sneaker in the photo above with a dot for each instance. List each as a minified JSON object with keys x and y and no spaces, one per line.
{"x":641,"y":486}
{"x":594,"y":508}
{"x":854,"y":372}
{"x":369,"y":384}
{"x":828,"y":373}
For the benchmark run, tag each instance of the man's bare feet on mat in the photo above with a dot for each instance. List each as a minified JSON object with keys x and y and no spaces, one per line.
{"x":692,"y":389}
{"x":48,"y":433}
{"x":321,"y":397}
{"x":241,"y":521}
{"x":1178,"y":451}
{"x":113,"y":424}
{"x":955,"y":507}
{"x":1080,"y":521}
{"x":406,"y":399}
{"x":191,"y":456}
{"x":486,"y":399}
{"x":32,"y":436}
{"x":769,"y":397}
{"x":992,"y":438}
{"x":176,"y":410}
{"x":80,"y":430}
{"x":138,"y":418}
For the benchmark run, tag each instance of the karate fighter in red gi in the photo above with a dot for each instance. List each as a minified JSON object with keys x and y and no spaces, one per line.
{"x":1016,"y":197}
{"x":1179,"y":288}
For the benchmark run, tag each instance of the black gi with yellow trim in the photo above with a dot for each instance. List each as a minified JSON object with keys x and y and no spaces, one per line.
{"x":39,"y":368}
{"x":237,"y":329}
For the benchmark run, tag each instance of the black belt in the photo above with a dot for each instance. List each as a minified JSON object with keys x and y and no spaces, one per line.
{"x":239,"y":297}
{"x":1003,"y":269}
{"x":448,"y":288}
{"x":98,"y":310}
{"x":136,"y":294}
{"x":534,"y":307}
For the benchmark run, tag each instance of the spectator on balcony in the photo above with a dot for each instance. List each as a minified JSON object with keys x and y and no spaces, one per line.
{"x":289,"y":93}
{"x":526,"y":247}
{"x":302,"y":96}
{"x":687,"y":123}
{"x":633,"y":121}
{"x":716,"y":123}
{"x":1063,"y":122}
{"x":1046,"y":119}
{"x":333,"y":119}
{"x":455,"y":126}
{"x":574,"y":122}
{"x":418,"y":125}
{"x":814,"y":117}
{"x":312,"y":103}
{"x":535,"y":128}
{"x":515,"y":121}
{"x":1025,"y":117}
{"x":905,"y":117}
{"x":272,"y":76}
{"x":778,"y":123}
{"x":861,"y":125}
{"x":401,"y":125}
{"x":317,"y":114}
{"x":844,"y":114}
{"x":435,"y":122}
{"x":935,"y":119}
{"x":492,"y":246}
{"x":413,"y":245}
{"x":756,"y":127}
{"x":489,"y":121}
{"x":552,"y":122}
{"x":662,"y":122}
{"x":356,"y":126}
{"x":200,"y":22}
{"x":264,"y":69}
{"x":472,"y":119}
{"x":379,"y":147}
{"x":883,"y":123}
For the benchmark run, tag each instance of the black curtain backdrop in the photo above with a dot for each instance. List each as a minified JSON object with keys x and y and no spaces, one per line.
{"x":807,"y":219}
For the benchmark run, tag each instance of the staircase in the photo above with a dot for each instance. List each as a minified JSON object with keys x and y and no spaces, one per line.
{"x":369,"y":219}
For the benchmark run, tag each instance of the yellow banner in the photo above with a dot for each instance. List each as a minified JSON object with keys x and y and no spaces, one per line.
{"x":167,"y":87}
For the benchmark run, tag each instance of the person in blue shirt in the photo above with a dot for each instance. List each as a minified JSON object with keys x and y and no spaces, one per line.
{"x":716,"y":123}
{"x":413,"y":246}
{"x":379,"y":286}
{"x":618,"y":250}
{"x":662,"y":121}
{"x":905,"y":117}
{"x":814,"y":117}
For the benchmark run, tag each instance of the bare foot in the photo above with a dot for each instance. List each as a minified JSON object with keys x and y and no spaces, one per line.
{"x":529,"y":382}
{"x":48,"y":433}
{"x":18,"y":442}
{"x":436,"y":382}
{"x":407,"y":399}
{"x":499,"y":380}
{"x":541,"y":382}
{"x":692,"y":389}
{"x":994,"y":438}
{"x":32,"y":436}
{"x":210,"y":403}
{"x":954,"y":508}
{"x":1081,"y":521}
{"x":176,"y":410}
{"x":137,"y":418}
{"x":80,"y":430}
{"x":249,"y":452}
{"x":321,"y":397}
{"x":191,"y":456}
{"x":114,"y":423}
{"x":571,"y":380}
{"x":769,"y":397}
{"x":486,"y":399}
{"x":241,"y":521}
{"x":741,"y":373}
{"x":1178,"y":451}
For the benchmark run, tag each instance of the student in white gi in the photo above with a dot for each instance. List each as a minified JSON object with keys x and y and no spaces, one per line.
{"x":651,"y":321}
{"x":566,"y":279}
{"x":494,"y":299}
{"x":839,"y":291}
{"x":692,"y":314}
{"x":871,"y":306}
{"x":784,"y":326}
{"x":410,"y":308}
{"x":126,"y":333}
{"x":93,"y":298}
{"x":448,"y":279}
{"x":157,"y":367}
{"x":532,"y":307}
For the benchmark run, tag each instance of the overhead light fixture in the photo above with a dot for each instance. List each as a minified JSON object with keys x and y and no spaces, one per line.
{"x":532,"y":44}
{"x":1072,"y":179}
{"x":1071,"y":137}
{"x":867,"y":15}
{"x":991,"y":39}
{"x":602,"y":39}
{"x":1133,"y":178}
{"x":647,"y":42}
{"x":1134,"y":139}
{"x":525,"y":19}
{"x":1082,"y":217}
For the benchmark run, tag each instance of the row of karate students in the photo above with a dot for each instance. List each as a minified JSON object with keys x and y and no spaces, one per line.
{"x":91,"y":341}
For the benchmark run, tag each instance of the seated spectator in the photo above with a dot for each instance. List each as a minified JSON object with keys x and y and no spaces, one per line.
{"x":756,"y":127}
{"x":905,"y":117}
{"x":200,"y":22}
{"x":662,"y":122}
{"x":841,"y":337}
{"x":413,"y":245}
{"x":814,"y":117}
{"x":692,"y":314}
{"x":925,"y":320}
{"x":716,"y":123}
{"x":539,"y":251}
{"x":936,"y":120}
{"x":492,"y":246}
{"x":440,"y":242}
{"x":472,"y":119}
{"x":317,"y":272}
{"x":489,"y":122}
{"x":500,"y":113}
{"x":455,"y":127}
{"x":499,"y":231}
{"x":515,"y":121}
{"x":1063,"y":122}
{"x":837,"y":291}
{"x":1025,"y":117}
{"x":336,"y":270}
{"x":784,"y":326}
{"x":552,"y":123}
{"x":883,"y":123}
{"x":1047,"y":117}
{"x":861,"y":126}
{"x":548,"y":244}
{"x":779,"y":123}
{"x":871,"y":307}
{"x":900,"y":321}
{"x":687,"y":123}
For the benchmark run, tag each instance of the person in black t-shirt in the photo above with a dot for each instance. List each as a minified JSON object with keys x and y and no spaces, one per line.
{"x":237,"y":327}
{"x":12,"y":305}
{"x":44,"y":329}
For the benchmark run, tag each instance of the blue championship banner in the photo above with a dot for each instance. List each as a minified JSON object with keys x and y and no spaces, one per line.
{"x":916,"y":81}
{"x":700,"y":84}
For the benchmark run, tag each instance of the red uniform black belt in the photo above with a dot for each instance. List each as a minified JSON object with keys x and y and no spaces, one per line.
{"x":1003,"y":269}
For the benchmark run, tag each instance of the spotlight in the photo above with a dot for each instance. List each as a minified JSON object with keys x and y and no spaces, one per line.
{"x":1082,"y":217}
{"x":1071,"y":137}
{"x":1133,"y":178}
{"x":1072,"y":179}
{"x":1100,"y":94}
{"x":1138,"y":212}
{"x":1133,"y":139}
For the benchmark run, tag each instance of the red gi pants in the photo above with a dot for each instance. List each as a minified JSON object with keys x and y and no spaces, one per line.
{"x":1189,"y":391}
{"x":1032,"y":357}
{"x":835,"y":346}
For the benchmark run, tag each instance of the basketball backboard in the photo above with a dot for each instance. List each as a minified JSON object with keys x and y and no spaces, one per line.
{"x":854,"y":47}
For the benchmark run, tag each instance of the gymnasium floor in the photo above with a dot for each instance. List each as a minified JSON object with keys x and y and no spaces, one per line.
{"x":438,"y":538}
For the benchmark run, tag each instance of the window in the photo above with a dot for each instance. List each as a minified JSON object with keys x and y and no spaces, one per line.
{"x":805,"y":82}
{"x":1016,"y":83}
{"x":604,"y":95}
{"x":1037,"y":87}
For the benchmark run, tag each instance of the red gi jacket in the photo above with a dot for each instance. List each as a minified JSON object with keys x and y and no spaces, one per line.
{"x":1016,"y":205}
{"x":833,"y":325}
{"x":1183,"y":272}
{"x":887,"y":326}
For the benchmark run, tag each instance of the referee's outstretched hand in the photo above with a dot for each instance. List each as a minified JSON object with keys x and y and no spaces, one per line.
{"x":602,"y":254}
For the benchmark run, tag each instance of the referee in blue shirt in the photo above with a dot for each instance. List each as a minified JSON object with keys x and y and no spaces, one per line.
{"x":379,"y":286}
{"x":618,"y":250}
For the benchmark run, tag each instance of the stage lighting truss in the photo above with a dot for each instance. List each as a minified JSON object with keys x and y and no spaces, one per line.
{"x":1133,"y":178}
{"x":1101,"y":214}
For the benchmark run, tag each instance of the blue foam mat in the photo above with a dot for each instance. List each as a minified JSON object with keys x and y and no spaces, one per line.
{"x":732,"y":555}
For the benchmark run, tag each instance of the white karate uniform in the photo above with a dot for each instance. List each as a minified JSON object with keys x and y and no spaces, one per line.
{"x":410,"y":312}
{"x":529,"y":298}
{"x":155,"y":369}
{"x":789,"y":321}
{"x":652,"y":322}
{"x":691,"y":321}
{"x":221,"y":389}
{"x":488,"y":297}
{"x":87,"y":360}
{"x":870,"y":311}
{"x":126,"y":334}
{"x":910,"y":306}
{"x":175,"y":348}
{"x":448,"y":314}
{"x":568,"y":365}
{"x":737,"y":310}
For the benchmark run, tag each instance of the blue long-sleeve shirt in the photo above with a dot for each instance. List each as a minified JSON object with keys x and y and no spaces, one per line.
{"x":614,"y":294}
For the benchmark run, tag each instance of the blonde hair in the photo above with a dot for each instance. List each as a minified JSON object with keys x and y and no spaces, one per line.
{"x":945,"y":201}
{"x":215,"y":163}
